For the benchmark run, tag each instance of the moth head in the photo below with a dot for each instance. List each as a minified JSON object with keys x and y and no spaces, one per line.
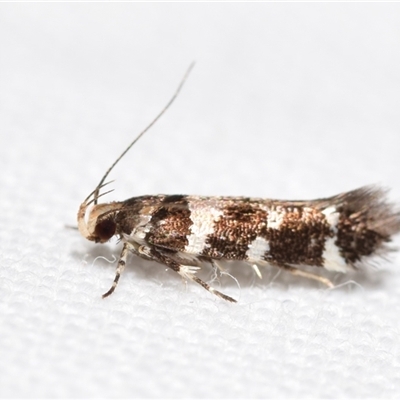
{"x":97,"y":222}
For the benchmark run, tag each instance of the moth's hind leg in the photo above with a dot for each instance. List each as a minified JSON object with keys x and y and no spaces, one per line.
{"x":120,"y":267}
{"x":306,"y":274}
{"x":188,"y":272}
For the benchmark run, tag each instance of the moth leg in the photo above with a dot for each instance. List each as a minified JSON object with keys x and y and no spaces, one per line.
{"x":306,"y":274}
{"x":256,"y":270}
{"x":144,"y":252}
{"x":217,"y":266}
{"x":120,"y":267}
{"x":217,"y":269}
{"x":188,"y":272}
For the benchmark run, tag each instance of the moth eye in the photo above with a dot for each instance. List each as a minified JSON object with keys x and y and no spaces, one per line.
{"x":105,"y":230}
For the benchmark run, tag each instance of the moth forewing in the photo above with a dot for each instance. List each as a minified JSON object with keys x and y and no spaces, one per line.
{"x":184,"y":232}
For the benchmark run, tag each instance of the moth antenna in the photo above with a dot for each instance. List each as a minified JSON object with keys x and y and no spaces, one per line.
{"x":100,"y":195}
{"x":71,"y":227}
{"x":97,"y":188}
{"x":96,"y":191}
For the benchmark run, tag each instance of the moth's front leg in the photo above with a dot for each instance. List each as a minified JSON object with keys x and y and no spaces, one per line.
{"x":136,"y":249}
{"x":120,"y":266}
{"x":187,"y":272}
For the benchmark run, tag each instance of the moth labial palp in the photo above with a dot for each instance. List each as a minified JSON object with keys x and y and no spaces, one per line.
{"x":337,"y":233}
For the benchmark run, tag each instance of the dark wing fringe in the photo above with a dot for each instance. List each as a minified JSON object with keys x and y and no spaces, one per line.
{"x":367,"y":222}
{"x":369,"y":204}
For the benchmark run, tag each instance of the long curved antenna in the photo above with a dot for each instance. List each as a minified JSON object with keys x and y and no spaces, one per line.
{"x":96,"y":191}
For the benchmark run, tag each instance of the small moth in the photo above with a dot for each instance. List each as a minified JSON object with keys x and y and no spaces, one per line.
{"x":337,"y":233}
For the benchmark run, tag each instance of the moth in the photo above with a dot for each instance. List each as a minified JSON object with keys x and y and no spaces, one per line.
{"x":183,"y":232}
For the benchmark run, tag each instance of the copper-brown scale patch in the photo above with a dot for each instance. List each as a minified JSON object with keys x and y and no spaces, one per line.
{"x":171,"y":224}
{"x":354,"y":239}
{"x":300,"y":238}
{"x":233,"y":232}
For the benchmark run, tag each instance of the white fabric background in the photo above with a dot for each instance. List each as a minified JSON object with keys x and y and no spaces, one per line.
{"x":285,"y":101}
